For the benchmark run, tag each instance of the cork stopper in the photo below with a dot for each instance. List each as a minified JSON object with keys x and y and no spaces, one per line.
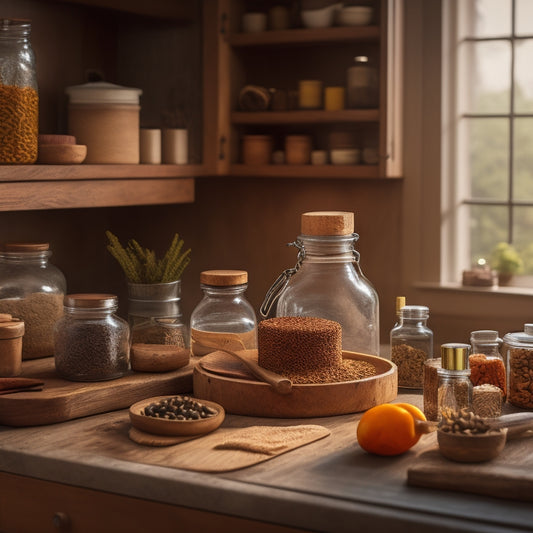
{"x":91,"y":301}
{"x":224,"y":278}
{"x":400,"y":302}
{"x":327,"y":223}
{"x":11,"y":329}
{"x":26,"y":246}
{"x":454,"y":356}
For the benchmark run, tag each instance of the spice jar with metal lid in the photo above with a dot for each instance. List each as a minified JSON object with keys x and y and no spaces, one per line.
{"x":519,"y":354}
{"x":11,"y":333}
{"x":362,"y":81}
{"x":91,"y":341}
{"x":455,"y":387}
{"x":327,"y":281}
{"x":486,"y":363}
{"x":32,"y":289}
{"x":411,"y":345}
{"x":19,"y":98}
{"x":224,"y":317}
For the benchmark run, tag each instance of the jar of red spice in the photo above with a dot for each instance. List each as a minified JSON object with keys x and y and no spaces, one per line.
{"x":19,"y":99}
{"x":486,"y":363}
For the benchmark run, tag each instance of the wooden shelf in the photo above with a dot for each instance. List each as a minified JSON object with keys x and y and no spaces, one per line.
{"x":303,"y":36}
{"x":307,"y":171}
{"x":18,"y":173}
{"x":306,"y":117}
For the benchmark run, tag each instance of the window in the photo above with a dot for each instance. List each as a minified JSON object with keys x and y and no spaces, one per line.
{"x":490,"y":110}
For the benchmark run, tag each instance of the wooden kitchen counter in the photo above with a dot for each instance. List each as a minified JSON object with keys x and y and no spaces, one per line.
{"x":67,"y":477}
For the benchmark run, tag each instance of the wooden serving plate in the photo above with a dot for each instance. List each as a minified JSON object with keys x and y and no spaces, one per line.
{"x":161,"y":426}
{"x":246,"y":396}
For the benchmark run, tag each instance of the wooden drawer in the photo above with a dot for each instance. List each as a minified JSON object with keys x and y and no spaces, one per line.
{"x":31,"y":505}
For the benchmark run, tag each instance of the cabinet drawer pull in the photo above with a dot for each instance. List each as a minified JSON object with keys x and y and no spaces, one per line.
{"x":61,"y":521}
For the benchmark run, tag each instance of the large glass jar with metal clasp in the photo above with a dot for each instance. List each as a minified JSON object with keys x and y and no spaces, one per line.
{"x":327,"y":282}
{"x":19,"y":99}
{"x":32,"y":289}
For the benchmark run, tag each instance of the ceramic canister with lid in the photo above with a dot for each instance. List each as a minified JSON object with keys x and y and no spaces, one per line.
{"x":105,"y":117}
{"x":327,"y":281}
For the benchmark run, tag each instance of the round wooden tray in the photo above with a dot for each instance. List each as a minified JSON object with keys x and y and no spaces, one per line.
{"x":244,"y":396}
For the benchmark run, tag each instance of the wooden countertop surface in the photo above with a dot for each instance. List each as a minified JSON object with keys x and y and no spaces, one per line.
{"x":329,"y":485}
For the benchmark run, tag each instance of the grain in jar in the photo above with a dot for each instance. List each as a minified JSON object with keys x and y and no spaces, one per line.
{"x":519,"y":347}
{"x":486,"y":363}
{"x":91,"y":342}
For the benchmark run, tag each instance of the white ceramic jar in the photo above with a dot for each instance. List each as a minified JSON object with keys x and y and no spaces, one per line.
{"x":105,"y":117}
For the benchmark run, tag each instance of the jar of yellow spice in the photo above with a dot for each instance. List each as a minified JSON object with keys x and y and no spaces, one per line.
{"x":19,"y":100}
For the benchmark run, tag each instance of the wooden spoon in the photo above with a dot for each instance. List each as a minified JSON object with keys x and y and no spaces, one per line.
{"x":481,"y":447}
{"x":279,"y":383}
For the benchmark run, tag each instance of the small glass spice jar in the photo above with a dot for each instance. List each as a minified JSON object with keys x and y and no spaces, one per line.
{"x":519,"y":351}
{"x":486,"y":363}
{"x":32,"y":289}
{"x":310,"y":94}
{"x":91,"y":342}
{"x":19,"y":98}
{"x":455,"y":387}
{"x":11,"y":333}
{"x":411,"y":345}
{"x":223,"y":317}
{"x":362,"y":81}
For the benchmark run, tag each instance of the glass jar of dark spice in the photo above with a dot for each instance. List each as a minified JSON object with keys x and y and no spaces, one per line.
{"x":519,"y":350}
{"x":411,"y":345}
{"x":32,"y":289}
{"x":455,"y":387}
{"x":91,"y":342}
{"x":19,"y":99}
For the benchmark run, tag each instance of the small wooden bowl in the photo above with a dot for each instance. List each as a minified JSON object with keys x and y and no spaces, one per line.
{"x":61,"y":154}
{"x":158,"y":357}
{"x":471,"y":448}
{"x":162,"y":426}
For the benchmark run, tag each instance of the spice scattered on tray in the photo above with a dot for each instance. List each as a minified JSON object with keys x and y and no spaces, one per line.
{"x":179,"y":408}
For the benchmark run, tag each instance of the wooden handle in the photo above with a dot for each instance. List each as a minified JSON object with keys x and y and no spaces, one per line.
{"x":425,"y":426}
{"x":516,"y":423}
{"x":279,"y":383}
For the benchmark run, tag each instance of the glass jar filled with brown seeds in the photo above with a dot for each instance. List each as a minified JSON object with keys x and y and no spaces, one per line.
{"x":519,"y":348}
{"x":411,"y":345}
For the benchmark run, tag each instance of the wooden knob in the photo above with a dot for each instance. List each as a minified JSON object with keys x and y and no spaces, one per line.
{"x":61,"y":521}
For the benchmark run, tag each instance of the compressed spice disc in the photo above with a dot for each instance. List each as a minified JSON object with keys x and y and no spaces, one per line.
{"x":163,"y":426}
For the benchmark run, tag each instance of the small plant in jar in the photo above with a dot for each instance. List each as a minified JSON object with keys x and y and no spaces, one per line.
{"x":506,"y":261}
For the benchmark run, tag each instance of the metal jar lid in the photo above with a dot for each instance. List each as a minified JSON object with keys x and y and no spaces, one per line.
{"x":454,"y":356}
{"x":520,"y":339}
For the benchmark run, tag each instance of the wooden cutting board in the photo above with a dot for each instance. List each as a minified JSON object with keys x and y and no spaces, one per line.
{"x":510,"y":475}
{"x":219,"y":377}
{"x":62,"y":400}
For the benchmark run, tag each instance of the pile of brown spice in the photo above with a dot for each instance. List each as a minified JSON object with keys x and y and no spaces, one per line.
{"x":347,"y":370}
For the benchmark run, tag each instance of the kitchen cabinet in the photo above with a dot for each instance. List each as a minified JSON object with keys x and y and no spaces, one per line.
{"x":180,"y":53}
{"x":278,"y":59}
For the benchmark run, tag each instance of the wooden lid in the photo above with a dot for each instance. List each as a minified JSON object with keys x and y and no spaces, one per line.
{"x":327,"y":223}
{"x":26,"y":246}
{"x":224,"y":278}
{"x":11,"y":330}
{"x":4,"y":317}
{"x":91,"y":301}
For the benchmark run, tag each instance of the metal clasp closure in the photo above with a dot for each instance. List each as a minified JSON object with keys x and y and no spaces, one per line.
{"x":273,"y":294}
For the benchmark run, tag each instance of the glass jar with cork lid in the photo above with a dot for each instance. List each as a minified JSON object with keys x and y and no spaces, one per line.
{"x":223,"y":317}
{"x":32,"y":289}
{"x":327,"y":281}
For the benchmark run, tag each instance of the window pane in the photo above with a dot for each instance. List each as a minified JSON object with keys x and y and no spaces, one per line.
{"x":485,"y":18}
{"x":487,"y":143}
{"x":524,"y":17}
{"x":523,"y":230}
{"x":485,"y":77}
{"x":523,"y":76}
{"x":523,"y":159}
{"x":488,"y":227}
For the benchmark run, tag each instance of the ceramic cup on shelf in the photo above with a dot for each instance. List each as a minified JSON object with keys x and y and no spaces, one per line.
{"x":254,"y":22}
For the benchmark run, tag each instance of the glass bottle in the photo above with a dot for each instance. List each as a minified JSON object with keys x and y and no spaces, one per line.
{"x":519,"y":352}
{"x":223,"y":317}
{"x":154,"y":314}
{"x":91,"y":342}
{"x":327,"y":282}
{"x":32,"y":289}
{"x":411,"y":345}
{"x":486,"y":363}
{"x":362,"y":82}
{"x":19,"y":99}
{"x":455,"y":387}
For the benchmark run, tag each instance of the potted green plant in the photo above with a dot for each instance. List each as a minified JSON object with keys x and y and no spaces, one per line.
{"x":506,"y":261}
{"x":154,"y":290}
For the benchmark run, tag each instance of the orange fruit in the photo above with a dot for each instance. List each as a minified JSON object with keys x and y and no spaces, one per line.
{"x":389,"y":429}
